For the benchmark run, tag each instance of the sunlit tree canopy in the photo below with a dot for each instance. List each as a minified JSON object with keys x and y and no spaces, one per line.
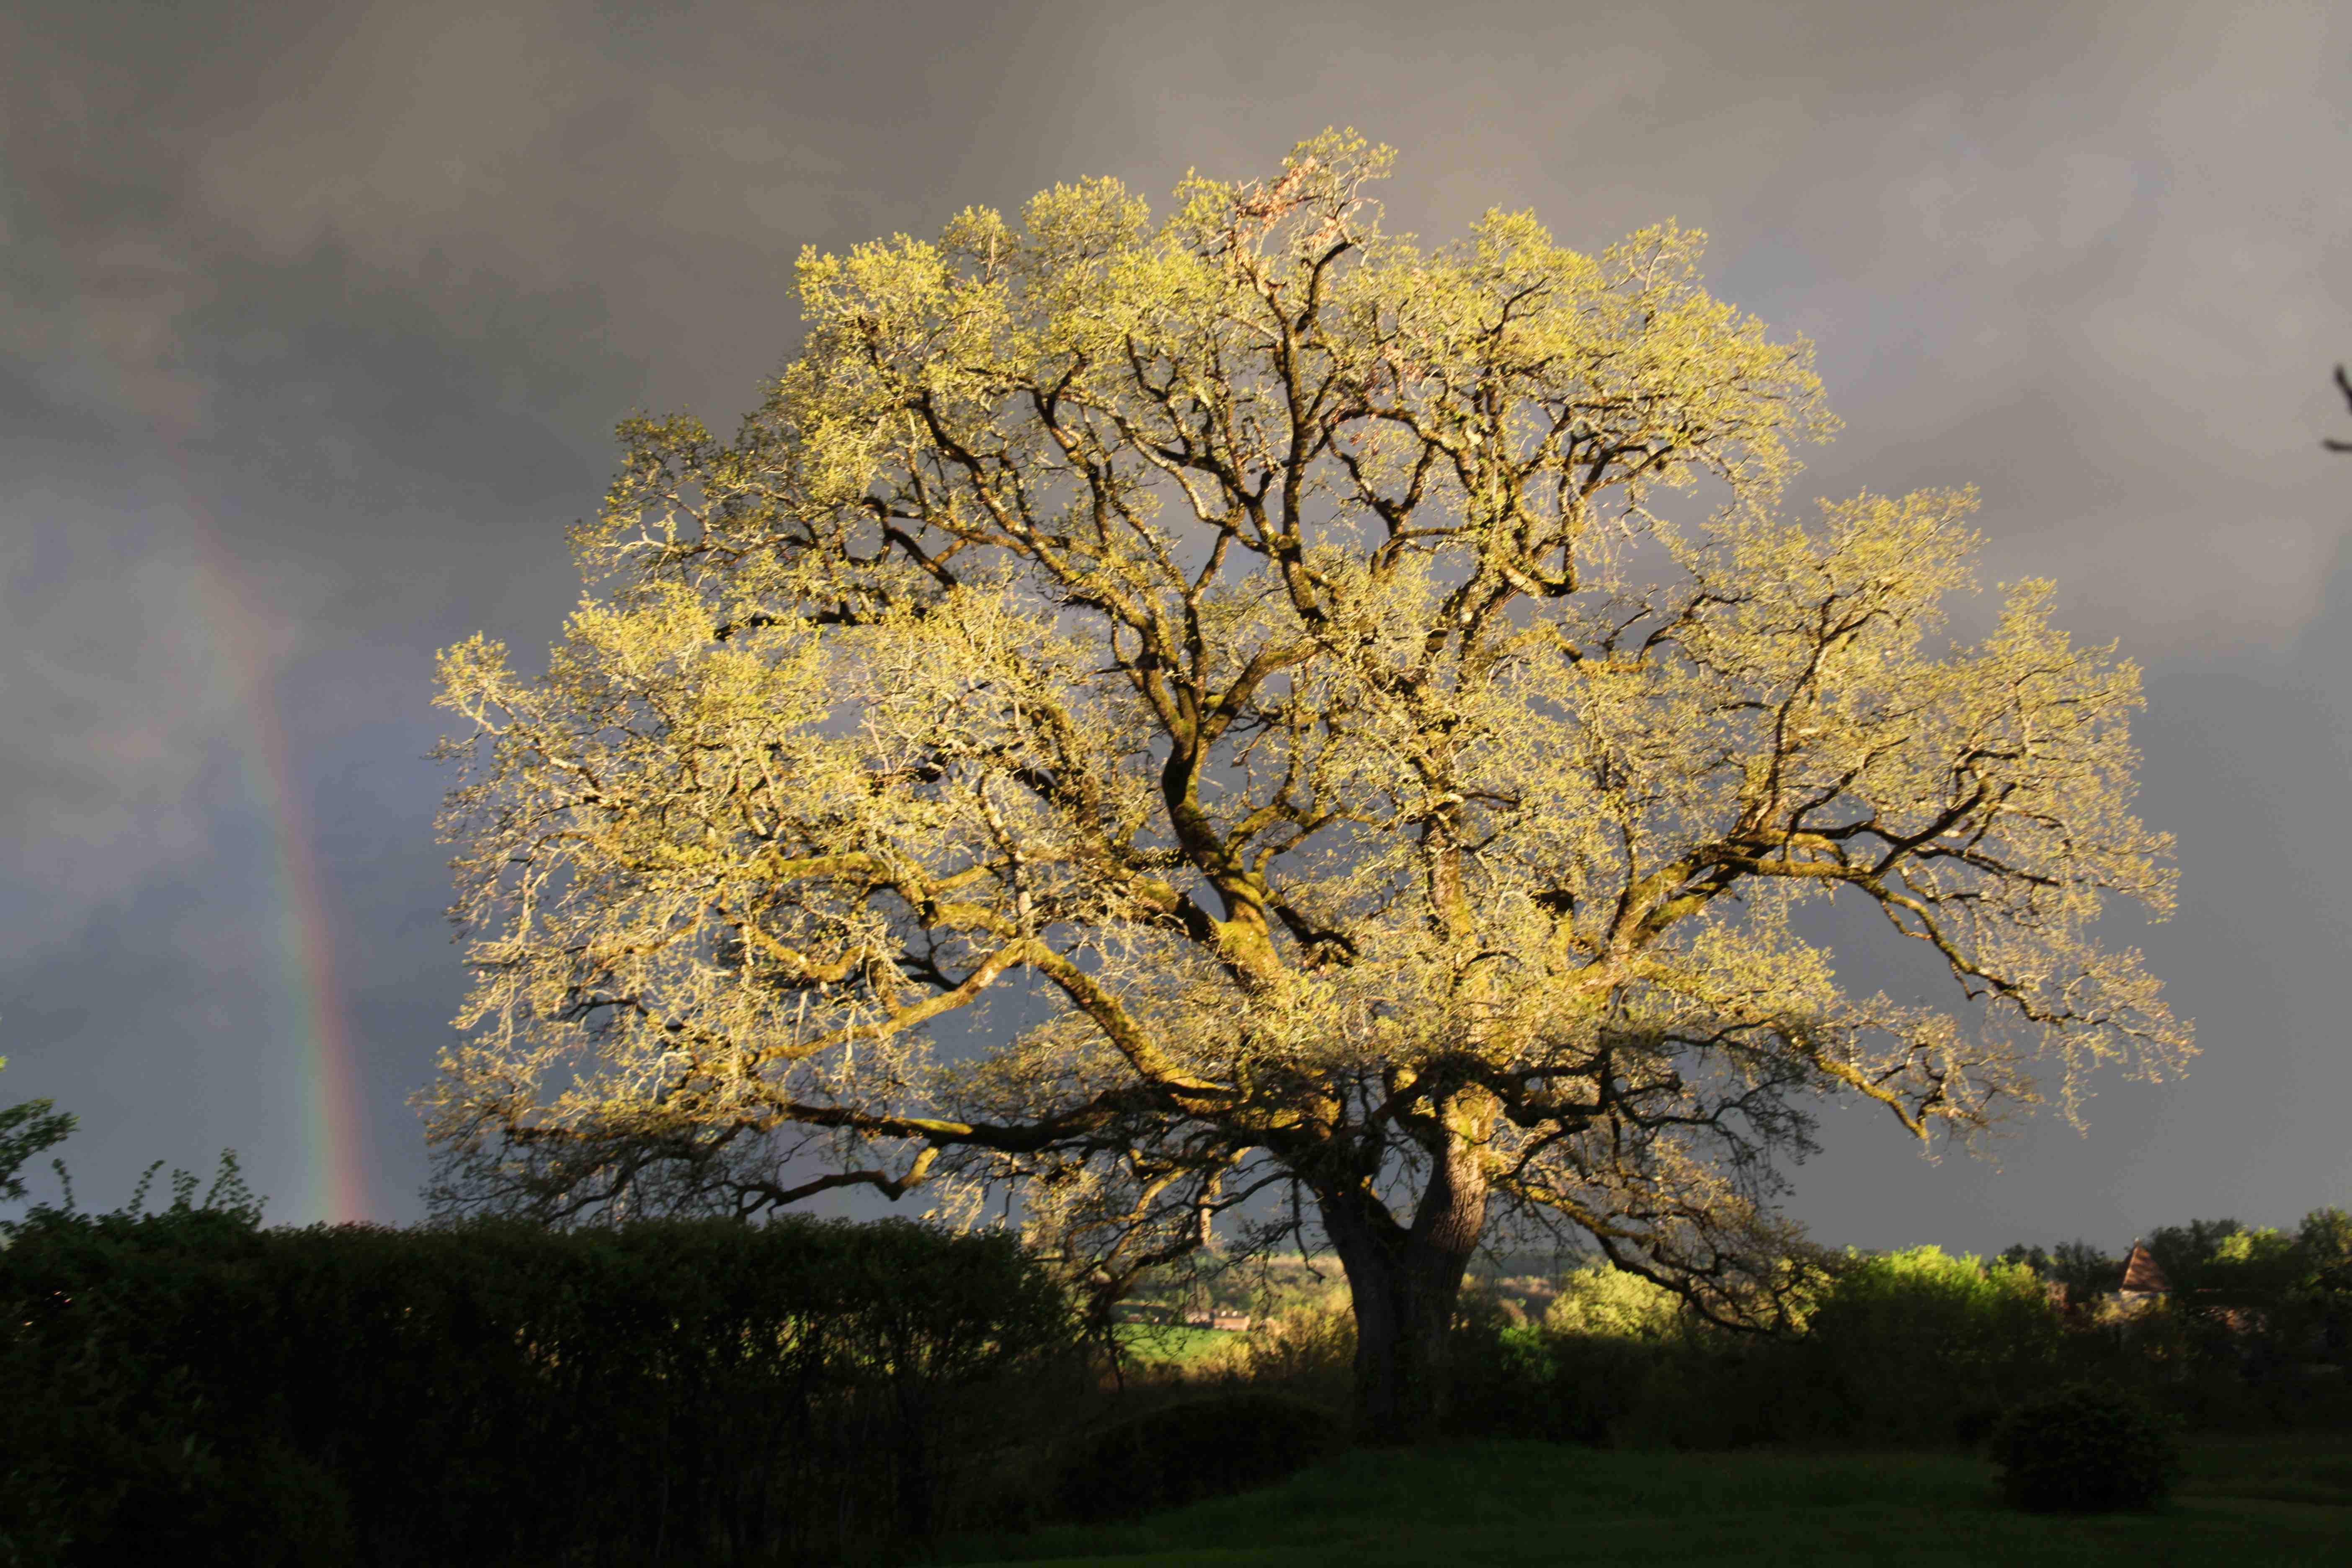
{"x":1243,"y":710}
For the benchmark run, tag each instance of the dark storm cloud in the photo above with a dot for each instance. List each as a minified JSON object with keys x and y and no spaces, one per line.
{"x":340,"y":304}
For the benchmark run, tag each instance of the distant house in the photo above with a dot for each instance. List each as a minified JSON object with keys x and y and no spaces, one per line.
{"x":1230,"y":1322}
{"x":2144,"y":1283}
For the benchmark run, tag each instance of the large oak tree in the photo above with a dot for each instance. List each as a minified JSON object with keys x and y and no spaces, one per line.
{"x":1239,"y":713}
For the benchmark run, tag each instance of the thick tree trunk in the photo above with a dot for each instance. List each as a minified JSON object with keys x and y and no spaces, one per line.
{"x":1406,"y":1281}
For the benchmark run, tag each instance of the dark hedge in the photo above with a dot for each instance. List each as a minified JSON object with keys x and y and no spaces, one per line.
{"x":187,"y":1387}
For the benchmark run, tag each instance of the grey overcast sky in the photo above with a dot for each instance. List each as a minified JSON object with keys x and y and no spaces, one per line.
{"x":314,"y":322}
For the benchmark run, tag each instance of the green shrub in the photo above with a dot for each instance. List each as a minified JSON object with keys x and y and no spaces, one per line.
{"x":1308,"y":1353}
{"x":1913,"y":1346}
{"x":2087,"y":1449}
{"x":1598,"y":1301}
{"x":1183,"y":1453}
{"x":1924,"y":1346}
{"x":1531,"y":1381}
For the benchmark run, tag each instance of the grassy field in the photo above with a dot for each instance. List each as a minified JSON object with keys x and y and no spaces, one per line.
{"x":2256,"y":1501}
{"x":1172,"y":1342}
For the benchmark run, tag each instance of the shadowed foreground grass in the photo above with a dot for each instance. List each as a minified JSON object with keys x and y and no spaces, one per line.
{"x":2267,"y":1501}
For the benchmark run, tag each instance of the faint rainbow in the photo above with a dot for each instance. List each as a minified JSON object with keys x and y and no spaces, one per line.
{"x":335,"y":1166}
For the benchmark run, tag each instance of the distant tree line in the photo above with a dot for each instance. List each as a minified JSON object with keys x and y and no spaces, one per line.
{"x":2222,"y":1270}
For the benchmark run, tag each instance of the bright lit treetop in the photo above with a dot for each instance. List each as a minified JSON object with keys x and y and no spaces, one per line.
{"x":1170,"y":713}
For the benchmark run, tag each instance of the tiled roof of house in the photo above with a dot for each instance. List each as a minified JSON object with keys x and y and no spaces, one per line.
{"x":2142,"y":1276}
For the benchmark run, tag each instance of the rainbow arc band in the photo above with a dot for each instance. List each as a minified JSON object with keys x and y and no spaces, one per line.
{"x":312,"y":1010}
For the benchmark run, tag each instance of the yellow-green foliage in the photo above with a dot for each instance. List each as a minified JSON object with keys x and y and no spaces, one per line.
{"x":1361,"y":706}
{"x":1921,"y":1295}
{"x":1603,"y":1301}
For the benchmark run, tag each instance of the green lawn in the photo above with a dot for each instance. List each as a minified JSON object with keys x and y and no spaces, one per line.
{"x":1176,"y":1343}
{"x":2255,"y":1501}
